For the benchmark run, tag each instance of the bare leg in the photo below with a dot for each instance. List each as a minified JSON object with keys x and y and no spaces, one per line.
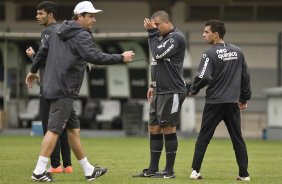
{"x":77,"y":148}
{"x":75,"y":143}
{"x":48,"y":144}
{"x":47,"y":147}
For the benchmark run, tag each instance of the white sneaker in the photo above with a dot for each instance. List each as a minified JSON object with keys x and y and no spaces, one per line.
{"x":244,"y":178}
{"x":195,"y":176}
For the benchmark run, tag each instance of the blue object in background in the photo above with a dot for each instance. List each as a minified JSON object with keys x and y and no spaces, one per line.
{"x":36,"y":128}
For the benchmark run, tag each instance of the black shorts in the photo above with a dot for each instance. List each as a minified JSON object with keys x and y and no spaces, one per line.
{"x":62,"y":115}
{"x":165,"y":109}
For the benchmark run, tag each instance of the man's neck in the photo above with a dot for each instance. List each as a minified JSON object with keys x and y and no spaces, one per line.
{"x":50,"y":22}
{"x":218,"y":41}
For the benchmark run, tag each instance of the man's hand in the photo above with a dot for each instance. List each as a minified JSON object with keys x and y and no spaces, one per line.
{"x":150,"y":94}
{"x":29,"y":52}
{"x":30,"y":78}
{"x":242,"y":106}
{"x":128,"y":56}
{"x":149,"y":24}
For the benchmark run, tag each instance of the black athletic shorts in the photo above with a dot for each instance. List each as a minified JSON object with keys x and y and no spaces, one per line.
{"x":62,"y":115}
{"x":165,"y":109}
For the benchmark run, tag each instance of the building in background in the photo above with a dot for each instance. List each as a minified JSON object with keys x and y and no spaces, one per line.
{"x":254,"y":25}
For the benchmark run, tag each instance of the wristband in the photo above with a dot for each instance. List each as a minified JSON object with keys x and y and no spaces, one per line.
{"x":153,"y":85}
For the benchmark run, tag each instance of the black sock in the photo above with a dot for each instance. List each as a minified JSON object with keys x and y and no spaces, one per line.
{"x":156,"y":146}
{"x":171,"y":145}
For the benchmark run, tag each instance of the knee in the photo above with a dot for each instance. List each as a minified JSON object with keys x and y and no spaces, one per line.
{"x":155,"y":129}
{"x":73,"y":132}
{"x":202,"y":143}
{"x":169,"y":129}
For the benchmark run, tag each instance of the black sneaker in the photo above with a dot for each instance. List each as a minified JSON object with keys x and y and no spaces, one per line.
{"x":146,"y":173}
{"x":45,"y":177}
{"x":98,"y":171}
{"x":164,"y":174}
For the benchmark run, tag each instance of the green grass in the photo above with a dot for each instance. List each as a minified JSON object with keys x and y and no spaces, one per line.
{"x":126,"y":156}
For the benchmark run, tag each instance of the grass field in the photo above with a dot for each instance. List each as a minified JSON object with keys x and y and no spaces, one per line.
{"x":126,"y":156}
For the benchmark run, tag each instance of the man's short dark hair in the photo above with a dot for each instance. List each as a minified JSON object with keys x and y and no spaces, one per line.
{"x":163,"y":15}
{"x":217,"y":26}
{"x":75,"y":16}
{"x":49,"y":7}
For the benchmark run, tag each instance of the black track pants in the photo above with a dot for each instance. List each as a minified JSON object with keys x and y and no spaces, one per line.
{"x":213,"y":114}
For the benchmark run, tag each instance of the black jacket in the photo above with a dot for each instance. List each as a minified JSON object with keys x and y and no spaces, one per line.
{"x":168,"y":56}
{"x":224,"y":70}
{"x":67,"y":52}
{"x":45,"y":36}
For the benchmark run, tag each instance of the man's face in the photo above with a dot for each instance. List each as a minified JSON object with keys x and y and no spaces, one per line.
{"x":87,"y":21}
{"x":209,"y":36}
{"x":42,"y":17}
{"x":162,"y":26}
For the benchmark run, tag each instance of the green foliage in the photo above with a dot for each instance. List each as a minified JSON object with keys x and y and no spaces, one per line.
{"x":126,"y":156}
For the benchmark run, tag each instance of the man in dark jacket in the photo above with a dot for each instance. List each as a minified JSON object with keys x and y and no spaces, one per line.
{"x":70,"y":46}
{"x":224,"y":70}
{"x":166,"y":93}
{"x":46,"y":16}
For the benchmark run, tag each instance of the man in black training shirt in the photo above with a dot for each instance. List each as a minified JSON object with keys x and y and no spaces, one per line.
{"x":166,"y":93}
{"x":46,"y":16}
{"x":223,"y":69}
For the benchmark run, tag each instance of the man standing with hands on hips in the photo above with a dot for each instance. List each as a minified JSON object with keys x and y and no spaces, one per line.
{"x":70,"y":46}
{"x":166,"y":93}
{"x":224,"y":71}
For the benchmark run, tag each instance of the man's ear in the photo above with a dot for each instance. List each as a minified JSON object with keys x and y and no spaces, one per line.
{"x":79,"y":16}
{"x":50,"y":15}
{"x":217,"y":34}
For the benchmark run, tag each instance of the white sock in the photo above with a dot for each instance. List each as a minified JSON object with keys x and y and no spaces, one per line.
{"x":41,"y":165}
{"x":86,"y":166}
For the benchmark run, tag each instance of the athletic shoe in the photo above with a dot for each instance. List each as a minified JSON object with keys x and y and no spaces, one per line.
{"x":146,"y":173}
{"x":68,"y":170}
{"x":45,"y":177}
{"x":98,"y":171}
{"x":195,"y":176}
{"x":57,"y":170}
{"x":164,"y":174}
{"x":244,"y":178}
